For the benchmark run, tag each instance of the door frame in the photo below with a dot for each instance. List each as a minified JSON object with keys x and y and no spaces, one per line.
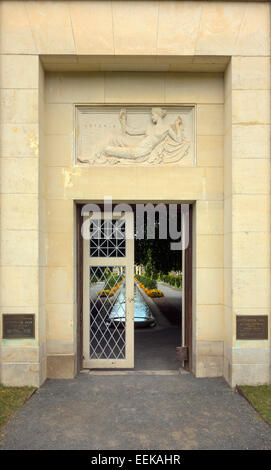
{"x":79,"y":287}
{"x":127,"y":262}
{"x":187,"y":291}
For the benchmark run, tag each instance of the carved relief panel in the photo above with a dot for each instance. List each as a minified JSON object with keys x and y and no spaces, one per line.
{"x":134,"y":135}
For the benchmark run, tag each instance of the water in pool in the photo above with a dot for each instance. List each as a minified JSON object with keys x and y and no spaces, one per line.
{"x":142,"y":313}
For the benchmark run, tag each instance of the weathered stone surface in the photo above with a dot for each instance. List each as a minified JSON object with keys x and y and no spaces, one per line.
{"x":61,"y":366}
{"x":212,"y":56}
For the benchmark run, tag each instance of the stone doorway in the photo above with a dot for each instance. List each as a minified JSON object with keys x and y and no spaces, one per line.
{"x":154,"y":344}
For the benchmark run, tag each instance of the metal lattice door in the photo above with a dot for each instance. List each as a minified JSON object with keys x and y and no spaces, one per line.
{"x":108,"y":339}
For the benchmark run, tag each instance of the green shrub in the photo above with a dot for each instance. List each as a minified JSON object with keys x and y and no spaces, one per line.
{"x":178,"y":281}
{"x":154,"y":274}
{"x":112,"y":280}
{"x":148,"y":269}
{"x":147,"y":282}
{"x":172,"y":280}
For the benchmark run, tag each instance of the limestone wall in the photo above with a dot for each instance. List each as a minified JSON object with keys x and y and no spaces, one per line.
{"x":202,"y":183}
{"x":185,"y":46}
{"x":247,"y":213}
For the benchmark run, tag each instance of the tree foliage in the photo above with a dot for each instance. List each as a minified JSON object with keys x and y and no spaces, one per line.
{"x":156,"y":255}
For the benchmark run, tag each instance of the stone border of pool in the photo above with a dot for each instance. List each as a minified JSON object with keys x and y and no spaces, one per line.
{"x":160,"y":318}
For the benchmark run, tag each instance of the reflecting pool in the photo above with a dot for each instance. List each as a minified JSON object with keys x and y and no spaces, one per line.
{"x":142,"y":313}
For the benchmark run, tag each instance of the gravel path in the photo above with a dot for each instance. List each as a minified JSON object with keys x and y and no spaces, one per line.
{"x":136,"y":412}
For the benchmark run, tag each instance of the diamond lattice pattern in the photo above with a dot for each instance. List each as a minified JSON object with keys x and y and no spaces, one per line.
{"x":107,"y":238}
{"x":107,"y":312}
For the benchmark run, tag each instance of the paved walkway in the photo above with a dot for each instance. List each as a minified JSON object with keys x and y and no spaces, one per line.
{"x":171,"y":304}
{"x":136,"y":412}
{"x":155,"y":348}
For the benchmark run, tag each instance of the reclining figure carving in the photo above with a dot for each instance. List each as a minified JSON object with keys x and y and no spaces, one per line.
{"x":157,"y":143}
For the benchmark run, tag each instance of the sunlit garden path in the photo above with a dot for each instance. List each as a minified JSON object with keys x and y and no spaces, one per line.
{"x":155,"y":347}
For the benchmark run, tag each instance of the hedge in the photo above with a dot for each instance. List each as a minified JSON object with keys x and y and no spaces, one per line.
{"x":147,"y":282}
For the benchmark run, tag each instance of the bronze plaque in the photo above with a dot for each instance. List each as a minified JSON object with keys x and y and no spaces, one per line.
{"x":18,"y":326}
{"x":251,"y":327}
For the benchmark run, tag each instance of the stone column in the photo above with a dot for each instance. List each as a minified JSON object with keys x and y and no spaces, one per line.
{"x":20,"y":79}
{"x":247,"y":214}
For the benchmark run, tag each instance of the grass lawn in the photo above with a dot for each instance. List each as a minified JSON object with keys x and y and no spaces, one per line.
{"x":11,"y":398}
{"x":260,"y":397}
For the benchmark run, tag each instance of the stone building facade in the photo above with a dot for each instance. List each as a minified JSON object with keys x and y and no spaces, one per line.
{"x":213,"y":56}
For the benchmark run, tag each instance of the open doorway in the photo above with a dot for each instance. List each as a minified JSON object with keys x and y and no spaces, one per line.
{"x":147,"y":303}
{"x":158,"y":295}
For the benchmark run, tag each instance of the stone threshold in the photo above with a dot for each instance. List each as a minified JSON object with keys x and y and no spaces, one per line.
{"x":134,"y":372}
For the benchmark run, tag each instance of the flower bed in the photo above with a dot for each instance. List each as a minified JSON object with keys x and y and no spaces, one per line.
{"x":109,"y":292}
{"x":149,"y":286}
{"x":146,"y":282}
{"x":105,"y":293}
{"x":154,"y":293}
